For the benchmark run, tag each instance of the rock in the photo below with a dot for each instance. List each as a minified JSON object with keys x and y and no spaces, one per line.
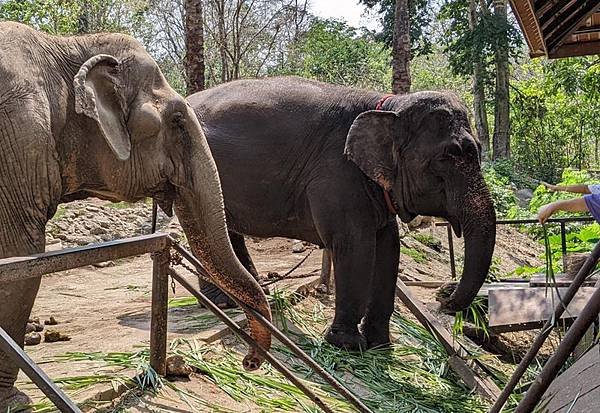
{"x":176,"y":367}
{"x":33,"y":339}
{"x":38,"y":327}
{"x":420,"y":222}
{"x":298,"y":247}
{"x":51,"y":321}
{"x":273,"y":274}
{"x":104,"y":264}
{"x":29,"y":328}
{"x":55,"y":246}
{"x":98,"y":231}
{"x":524,"y":197}
{"x":53,"y":336}
{"x":34,"y":320}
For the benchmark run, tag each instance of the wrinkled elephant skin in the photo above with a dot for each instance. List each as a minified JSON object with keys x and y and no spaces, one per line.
{"x":94,"y":116}
{"x":311,"y":161}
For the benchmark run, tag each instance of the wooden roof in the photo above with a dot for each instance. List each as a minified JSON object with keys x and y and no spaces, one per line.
{"x":559,"y":28}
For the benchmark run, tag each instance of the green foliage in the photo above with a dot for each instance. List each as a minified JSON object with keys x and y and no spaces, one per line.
{"x":500,"y":189}
{"x":416,"y":255}
{"x":463,"y":46}
{"x":542,"y":196}
{"x":420,"y":16}
{"x":430,"y":241}
{"x":554,"y":116}
{"x":76,"y":16}
{"x":333,"y":52}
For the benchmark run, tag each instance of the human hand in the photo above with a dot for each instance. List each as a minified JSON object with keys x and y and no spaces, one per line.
{"x":545,"y":212}
{"x":549,"y":187}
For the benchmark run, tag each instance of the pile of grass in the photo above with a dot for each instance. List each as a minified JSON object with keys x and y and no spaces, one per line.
{"x":412,"y":375}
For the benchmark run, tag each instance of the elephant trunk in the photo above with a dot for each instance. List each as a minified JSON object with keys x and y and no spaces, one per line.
{"x":478,"y":222}
{"x":200,"y":209}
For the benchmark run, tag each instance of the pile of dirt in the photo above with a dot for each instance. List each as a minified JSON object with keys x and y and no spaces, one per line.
{"x":86,"y":222}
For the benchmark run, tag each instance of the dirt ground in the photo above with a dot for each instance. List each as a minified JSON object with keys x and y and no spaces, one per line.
{"x":107,"y":308}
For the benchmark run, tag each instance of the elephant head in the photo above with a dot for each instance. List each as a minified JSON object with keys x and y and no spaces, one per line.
{"x":421,"y":150}
{"x":138,"y":138}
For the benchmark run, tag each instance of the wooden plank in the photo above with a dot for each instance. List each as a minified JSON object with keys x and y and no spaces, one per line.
{"x":19,"y":268}
{"x":559,"y":281}
{"x":482,"y":385}
{"x":510,"y":307}
{"x":578,"y":388}
{"x":485,"y":289}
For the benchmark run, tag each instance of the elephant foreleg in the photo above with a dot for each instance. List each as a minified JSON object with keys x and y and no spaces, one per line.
{"x":353,"y":264}
{"x":16,"y":302}
{"x":375,"y":325}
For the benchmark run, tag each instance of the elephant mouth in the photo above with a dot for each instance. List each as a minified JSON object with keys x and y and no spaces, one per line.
{"x":456,"y":225}
{"x":165,"y":198}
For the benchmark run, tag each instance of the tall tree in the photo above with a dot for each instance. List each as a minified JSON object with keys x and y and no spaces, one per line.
{"x":502,"y":114}
{"x":401,"y":49}
{"x":478,"y":82}
{"x":194,"y":46}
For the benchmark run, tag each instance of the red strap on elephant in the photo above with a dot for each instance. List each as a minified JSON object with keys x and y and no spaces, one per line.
{"x":389,"y":203}
{"x":382,"y":101}
{"x":386,"y":194}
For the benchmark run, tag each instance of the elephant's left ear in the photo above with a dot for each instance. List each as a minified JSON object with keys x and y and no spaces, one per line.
{"x":99,"y":95}
{"x":370,"y":145}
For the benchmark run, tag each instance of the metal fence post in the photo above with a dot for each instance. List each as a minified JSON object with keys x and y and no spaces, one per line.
{"x":160,"y":299}
{"x":563,"y":244}
{"x":451,"y":251}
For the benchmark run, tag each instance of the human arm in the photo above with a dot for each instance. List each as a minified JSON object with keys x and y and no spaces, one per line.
{"x":570,"y":205}
{"x":577,"y":188}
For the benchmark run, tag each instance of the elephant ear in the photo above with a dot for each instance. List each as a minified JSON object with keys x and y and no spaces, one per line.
{"x":370,"y":145}
{"x":99,"y":95}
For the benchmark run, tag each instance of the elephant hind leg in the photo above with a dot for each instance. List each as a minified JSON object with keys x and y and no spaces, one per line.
{"x":239,"y":247}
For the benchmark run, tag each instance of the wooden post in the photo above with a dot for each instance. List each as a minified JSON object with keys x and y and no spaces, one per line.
{"x":160,"y":300}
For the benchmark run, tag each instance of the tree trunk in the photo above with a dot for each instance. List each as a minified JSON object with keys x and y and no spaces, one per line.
{"x":401,"y":49}
{"x":502,"y":119}
{"x":194,"y":46}
{"x":220,"y":6}
{"x":479,"y":109}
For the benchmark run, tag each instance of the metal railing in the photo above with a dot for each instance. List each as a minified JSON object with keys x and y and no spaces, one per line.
{"x":563,"y":234}
{"x":159,"y":245}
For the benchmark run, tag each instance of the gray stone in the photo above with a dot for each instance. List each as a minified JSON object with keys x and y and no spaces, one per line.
{"x":298,"y":247}
{"x":524,"y":197}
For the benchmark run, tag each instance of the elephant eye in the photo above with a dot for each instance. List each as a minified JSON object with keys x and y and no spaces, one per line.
{"x":454,"y":149}
{"x":178,"y":118}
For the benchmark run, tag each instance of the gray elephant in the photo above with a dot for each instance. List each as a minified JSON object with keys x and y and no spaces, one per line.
{"x":333,"y":166}
{"x":94,"y":116}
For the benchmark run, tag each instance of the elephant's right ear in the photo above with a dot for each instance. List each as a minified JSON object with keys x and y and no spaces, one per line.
{"x":370,"y":145}
{"x":98,"y":95}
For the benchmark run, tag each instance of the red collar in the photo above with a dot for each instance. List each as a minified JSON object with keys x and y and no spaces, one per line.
{"x":389,"y":203}
{"x":382,"y":101}
{"x":386,"y":194}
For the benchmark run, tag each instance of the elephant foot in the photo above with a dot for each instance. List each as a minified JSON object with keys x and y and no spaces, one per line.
{"x":218,"y":297}
{"x":445,"y":296}
{"x":348,"y":340}
{"x":323,"y":289}
{"x":376,"y":337}
{"x":14,"y":401}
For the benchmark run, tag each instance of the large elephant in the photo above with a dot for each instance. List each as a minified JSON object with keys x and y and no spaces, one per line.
{"x":333,"y":166}
{"x":94,"y":116}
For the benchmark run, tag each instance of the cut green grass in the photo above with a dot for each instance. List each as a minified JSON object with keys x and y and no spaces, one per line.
{"x":416,"y":255}
{"x":429,"y":241}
